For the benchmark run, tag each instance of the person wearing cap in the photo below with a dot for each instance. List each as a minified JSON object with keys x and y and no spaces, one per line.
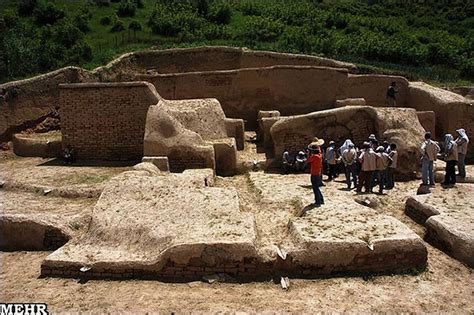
{"x":349,"y":158}
{"x":430,"y":150}
{"x":451,"y":158}
{"x":462,"y":142}
{"x":316,"y":161}
{"x":392,"y":166}
{"x":332,"y":159}
{"x":382,"y":162}
{"x":300,"y":161}
{"x":368,"y":161}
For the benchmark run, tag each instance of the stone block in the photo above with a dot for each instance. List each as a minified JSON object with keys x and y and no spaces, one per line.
{"x":226,"y":156}
{"x":159,"y":161}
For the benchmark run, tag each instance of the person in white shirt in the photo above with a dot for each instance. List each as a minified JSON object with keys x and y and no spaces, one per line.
{"x":349,"y":158}
{"x":368,"y":162}
{"x":382,"y":162}
{"x":462,"y":142}
{"x":332,"y":160}
{"x":430,"y":150}
{"x":393,"y":154}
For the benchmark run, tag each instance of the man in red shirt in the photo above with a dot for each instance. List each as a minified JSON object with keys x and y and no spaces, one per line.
{"x":316,"y":161}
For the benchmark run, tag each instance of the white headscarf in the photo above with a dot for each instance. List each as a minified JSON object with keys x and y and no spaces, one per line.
{"x":462,"y":134}
{"x":448,"y":142}
{"x":345,"y":146}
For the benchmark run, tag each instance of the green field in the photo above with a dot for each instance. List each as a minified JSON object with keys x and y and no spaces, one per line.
{"x":433,"y":41}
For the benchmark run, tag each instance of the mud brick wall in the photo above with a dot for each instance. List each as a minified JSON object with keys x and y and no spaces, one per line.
{"x":182,"y":161}
{"x":106,"y":121}
{"x":25,"y":103}
{"x":249,"y":268}
{"x":292,"y":90}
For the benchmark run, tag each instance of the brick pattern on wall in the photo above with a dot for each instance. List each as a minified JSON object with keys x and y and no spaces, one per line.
{"x":251,"y":268}
{"x":105,"y":122}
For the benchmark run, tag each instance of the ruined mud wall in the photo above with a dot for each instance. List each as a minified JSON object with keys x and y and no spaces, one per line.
{"x":106,"y":120}
{"x":209,"y":59}
{"x":26,"y":102}
{"x":398,"y":125}
{"x":452,"y":111}
{"x":291,"y":90}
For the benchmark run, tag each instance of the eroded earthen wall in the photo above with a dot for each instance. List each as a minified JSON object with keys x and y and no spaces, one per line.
{"x":106,"y":121}
{"x":292,"y":90}
{"x":25,"y":102}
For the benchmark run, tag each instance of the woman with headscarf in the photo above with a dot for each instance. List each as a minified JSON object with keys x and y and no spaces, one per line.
{"x":462,"y":141}
{"x":451,"y":158}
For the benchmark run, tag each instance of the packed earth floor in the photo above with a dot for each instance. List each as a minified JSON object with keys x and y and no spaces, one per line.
{"x":446,"y":285}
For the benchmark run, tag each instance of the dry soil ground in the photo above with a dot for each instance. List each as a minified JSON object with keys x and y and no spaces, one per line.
{"x":445,"y":286}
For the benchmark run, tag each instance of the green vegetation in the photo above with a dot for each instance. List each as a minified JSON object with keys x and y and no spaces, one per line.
{"x":433,"y":40}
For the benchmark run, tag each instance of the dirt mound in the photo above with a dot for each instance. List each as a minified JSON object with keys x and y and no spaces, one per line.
{"x":149,"y":224}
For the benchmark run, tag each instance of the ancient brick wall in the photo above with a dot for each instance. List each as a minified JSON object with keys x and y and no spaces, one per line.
{"x":106,"y":121}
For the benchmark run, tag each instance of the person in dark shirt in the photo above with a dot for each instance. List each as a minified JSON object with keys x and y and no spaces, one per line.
{"x":391,"y":92}
{"x":68,"y":155}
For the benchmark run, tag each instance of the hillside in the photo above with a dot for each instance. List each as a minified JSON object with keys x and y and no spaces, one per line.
{"x":433,"y":41}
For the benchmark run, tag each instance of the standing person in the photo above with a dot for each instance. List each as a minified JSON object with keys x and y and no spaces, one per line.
{"x":316,"y":161}
{"x":451,"y":158}
{"x":391,"y":168}
{"x":368,"y":166}
{"x":374,"y":143}
{"x":349,"y":158}
{"x":430,"y":150}
{"x":391,"y":92}
{"x":332,"y":160}
{"x":462,"y":141}
{"x":287,"y":161}
{"x":300,"y":161}
{"x":382,"y":162}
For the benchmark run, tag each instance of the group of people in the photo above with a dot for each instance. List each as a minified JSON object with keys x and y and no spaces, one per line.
{"x":373,"y":164}
{"x":454,"y":153}
{"x":366,"y":167}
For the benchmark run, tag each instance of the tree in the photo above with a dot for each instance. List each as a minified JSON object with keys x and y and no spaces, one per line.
{"x":135,"y":26}
{"x":47,"y":13}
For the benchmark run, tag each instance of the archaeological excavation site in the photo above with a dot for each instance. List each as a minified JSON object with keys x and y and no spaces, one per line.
{"x":177,"y":177}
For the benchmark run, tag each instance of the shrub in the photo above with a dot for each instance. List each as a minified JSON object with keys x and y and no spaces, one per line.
{"x":102,"y":3}
{"x":139,"y":4}
{"x":105,"y":20}
{"x":81,"y":22}
{"x":135,"y":26}
{"x":118,"y":26}
{"x":203,"y":7}
{"x":47,"y":13}
{"x":220,"y":13}
{"x":126,"y":8}
{"x":26,"y":7}
{"x":261,"y":29}
{"x":9,"y":19}
{"x":212,"y":31}
{"x":171,"y":20}
{"x":297,"y":40}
